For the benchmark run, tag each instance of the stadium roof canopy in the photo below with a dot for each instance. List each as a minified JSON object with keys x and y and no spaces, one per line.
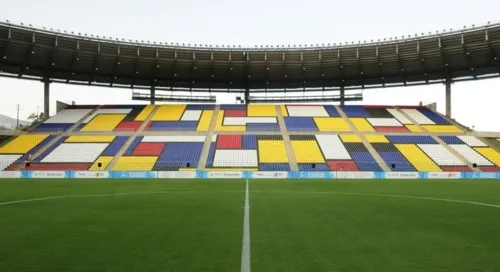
{"x":55,"y":56}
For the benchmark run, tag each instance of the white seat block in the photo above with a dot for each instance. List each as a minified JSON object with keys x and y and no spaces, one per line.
{"x":471,"y":141}
{"x":6,"y":160}
{"x":418,"y":117}
{"x":173,"y":139}
{"x":332,"y":147}
{"x":384,"y":122}
{"x":76,"y":153}
{"x":441,"y":155}
{"x":471,"y":155}
{"x":191,"y":115}
{"x":307,"y":111}
{"x":70,"y":116}
{"x":241,"y":121}
{"x":399,"y":116}
{"x":107,"y":111}
{"x":214,"y":138}
{"x":235,"y":158}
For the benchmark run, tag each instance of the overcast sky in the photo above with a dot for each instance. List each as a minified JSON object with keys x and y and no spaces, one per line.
{"x":256,"y":22}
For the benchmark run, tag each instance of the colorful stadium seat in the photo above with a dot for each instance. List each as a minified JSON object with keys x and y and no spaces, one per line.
{"x":248,"y":137}
{"x":250,"y":152}
{"x":247,"y":118}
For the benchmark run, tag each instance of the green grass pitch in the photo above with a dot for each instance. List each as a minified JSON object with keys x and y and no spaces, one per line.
{"x":295,"y":225}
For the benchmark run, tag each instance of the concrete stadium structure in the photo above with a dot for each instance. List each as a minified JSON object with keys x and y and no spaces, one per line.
{"x":444,"y":57}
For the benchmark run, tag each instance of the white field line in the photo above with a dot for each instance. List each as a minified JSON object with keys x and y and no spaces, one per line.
{"x":245,"y":251}
{"x":247,"y":207}
{"x":111,"y":194}
{"x":389,"y":195}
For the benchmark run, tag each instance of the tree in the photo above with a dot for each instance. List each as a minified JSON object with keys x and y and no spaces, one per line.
{"x":36,"y":118}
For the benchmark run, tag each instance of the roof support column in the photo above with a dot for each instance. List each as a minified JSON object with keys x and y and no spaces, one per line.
{"x":342,"y":93}
{"x":247,"y":96}
{"x":46,"y":98}
{"x":152,"y":95}
{"x":448,"y":96}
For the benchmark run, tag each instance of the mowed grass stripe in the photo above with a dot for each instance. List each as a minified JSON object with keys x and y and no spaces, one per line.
{"x":173,"y":230}
{"x":320,"y":226}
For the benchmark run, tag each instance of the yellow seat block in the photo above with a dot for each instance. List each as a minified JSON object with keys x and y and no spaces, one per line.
{"x":489,"y":153}
{"x":362,"y":125}
{"x":104,"y":122}
{"x":169,"y":113}
{"x":254,"y":110}
{"x":413,"y":128}
{"x":22,"y":144}
{"x":220,"y":127}
{"x":90,"y":139}
{"x":104,"y":160}
{"x":442,"y":128}
{"x":418,"y":158}
{"x":307,"y":152}
{"x":376,"y":139}
{"x":272,"y":151}
{"x":350,"y":138}
{"x":205,"y":120}
{"x":131,"y":163}
{"x":144,"y":114}
{"x":284,"y":111}
{"x":331,"y":124}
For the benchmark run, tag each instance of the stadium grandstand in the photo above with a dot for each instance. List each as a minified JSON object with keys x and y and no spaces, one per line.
{"x":262,"y":133}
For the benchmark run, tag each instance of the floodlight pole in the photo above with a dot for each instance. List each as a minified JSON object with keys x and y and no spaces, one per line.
{"x":46,"y":98}
{"x":448,"y":96}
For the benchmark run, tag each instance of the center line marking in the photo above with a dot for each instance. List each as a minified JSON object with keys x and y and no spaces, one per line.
{"x":245,"y":252}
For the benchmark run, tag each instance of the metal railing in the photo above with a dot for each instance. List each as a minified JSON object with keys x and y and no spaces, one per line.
{"x":302,"y":47}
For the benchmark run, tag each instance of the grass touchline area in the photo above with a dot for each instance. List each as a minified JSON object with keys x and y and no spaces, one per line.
{"x":296,"y":225}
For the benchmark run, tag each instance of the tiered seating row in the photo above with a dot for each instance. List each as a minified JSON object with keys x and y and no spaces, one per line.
{"x":258,"y":118}
{"x":247,"y":118}
{"x":475,"y":151}
{"x":181,"y":118}
{"x":67,"y":153}
{"x":64,"y":119}
{"x":417,"y":153}
{"x":162,"y":153}
{"x":248,"y":152}
{"x":332,"y":153}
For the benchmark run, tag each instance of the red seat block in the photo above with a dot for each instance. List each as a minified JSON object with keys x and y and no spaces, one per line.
{"x":342,"y":166}
{"x":148,"y":149}
{"x":235,"y":113}
{"x":128,"y":126}
{"x":228,"y":142}
{"x":58,"y":166}
{"x":489,"y":169}
{"x":456,"y":169}
{"x":148,"y":125}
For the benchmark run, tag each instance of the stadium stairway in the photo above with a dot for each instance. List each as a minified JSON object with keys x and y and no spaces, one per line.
{"x":368,"y":146}
{"x":208,"y":140}
{"x":131,"y":138}
{"x":286,"y":138}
